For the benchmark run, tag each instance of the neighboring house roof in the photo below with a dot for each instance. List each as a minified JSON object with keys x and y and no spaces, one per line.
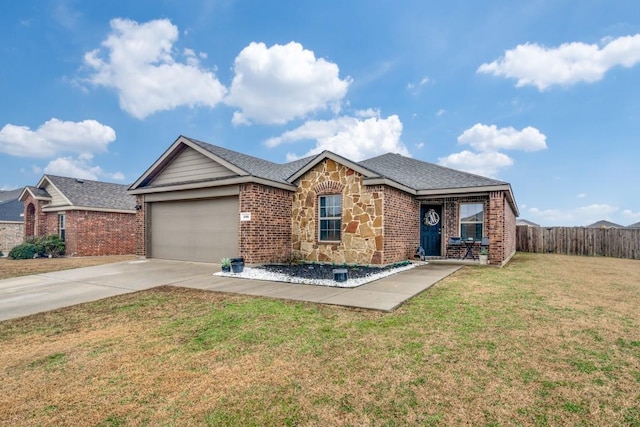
{"x":636,"y":225}
{"x":407,"y":174}
{"x":604,"y":224}
{"x":81,"y":194}
{"x":11,"y":208}
{"x":10,"y":194}
{"x":526,"y":222}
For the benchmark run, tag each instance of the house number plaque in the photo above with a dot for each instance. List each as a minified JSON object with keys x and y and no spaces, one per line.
{"x":431,"y":217}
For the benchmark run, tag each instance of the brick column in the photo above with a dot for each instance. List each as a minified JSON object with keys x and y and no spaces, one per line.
{"x":496,"y":228}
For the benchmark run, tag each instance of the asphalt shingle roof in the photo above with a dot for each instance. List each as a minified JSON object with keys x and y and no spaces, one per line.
{"x":636,"y":225}
{"x":10,"y":194}
{"x":420,"y":175}
{"x":11,"y":210}
{"x":94,"y":194}
{"x":254,"y":166}
{"x":604,"y":224}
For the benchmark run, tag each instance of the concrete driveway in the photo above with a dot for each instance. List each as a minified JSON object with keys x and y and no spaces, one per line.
{"x":22,"y":296}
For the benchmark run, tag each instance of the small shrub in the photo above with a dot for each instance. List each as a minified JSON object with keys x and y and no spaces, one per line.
{"x":53,"y":245}
{"x":24,"y":251}
{"x":50,"y":245}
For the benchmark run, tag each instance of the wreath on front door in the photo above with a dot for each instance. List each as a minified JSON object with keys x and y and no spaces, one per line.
{"x":431,"y":217}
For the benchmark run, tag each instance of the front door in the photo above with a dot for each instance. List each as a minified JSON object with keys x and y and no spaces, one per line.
{"x":430,"y":229}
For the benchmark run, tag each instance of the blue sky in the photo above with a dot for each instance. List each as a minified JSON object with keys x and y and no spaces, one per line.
{"x":542,"y":94}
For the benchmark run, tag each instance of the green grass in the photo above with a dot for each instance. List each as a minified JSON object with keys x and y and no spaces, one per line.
{"x":544,"y":341}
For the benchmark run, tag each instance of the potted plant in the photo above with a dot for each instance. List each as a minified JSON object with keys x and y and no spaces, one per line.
{"x":226,"y":265}
{"x":237,"y":265}
{"x":484,"y":256}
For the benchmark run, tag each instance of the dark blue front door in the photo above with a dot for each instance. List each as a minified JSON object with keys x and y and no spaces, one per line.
{"x":430,"y":229}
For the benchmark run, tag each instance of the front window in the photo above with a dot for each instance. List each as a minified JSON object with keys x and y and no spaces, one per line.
{"x":62,"y":222}
{"x":471,"y":219}
{"x":330,"y":218}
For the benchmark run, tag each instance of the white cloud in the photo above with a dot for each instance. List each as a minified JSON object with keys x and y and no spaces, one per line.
{"x":570,"y":63}
{"x":349,"y":137}
{"x":583,"y":215}
{"x":277,"y":84}
{"x":55,"y":137}
{"x":490,"y":138}
{"x":582,"y":195}
{"x":628,"y":213}
{"x":80,"y":167}
{"x":485,"y":164}
{"x":487,"y":141}
{"x":142,"y":68}
{"x":415,"y":87}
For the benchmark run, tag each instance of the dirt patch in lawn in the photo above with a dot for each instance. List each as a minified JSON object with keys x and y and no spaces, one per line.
{"x":23,"y":267}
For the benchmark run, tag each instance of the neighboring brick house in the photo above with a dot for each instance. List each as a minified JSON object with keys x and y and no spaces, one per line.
{"x":11,"y":220}
{"x":93,"y":218}
{"x":202,"y":202}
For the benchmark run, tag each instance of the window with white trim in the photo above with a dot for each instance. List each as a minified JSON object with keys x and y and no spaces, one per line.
{"x":329,"y":218}
{"x":62,"y":225}
{"x":471,"y":220}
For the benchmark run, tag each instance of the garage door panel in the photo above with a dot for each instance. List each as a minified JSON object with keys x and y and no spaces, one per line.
{"x":195,"y":230}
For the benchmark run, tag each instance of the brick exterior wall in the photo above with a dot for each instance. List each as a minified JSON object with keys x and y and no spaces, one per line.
{"x":267,"y":237}
{"x":499,"y":225}
{"x":11,"y":234}
{"x":141,"y":226}
{"x":401,"y":225}
{"x":87,"y":233}
{"x":92,"y":233}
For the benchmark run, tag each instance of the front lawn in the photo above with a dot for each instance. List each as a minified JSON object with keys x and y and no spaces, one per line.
{"x":547,"y":340}
{"x":22,"y":267}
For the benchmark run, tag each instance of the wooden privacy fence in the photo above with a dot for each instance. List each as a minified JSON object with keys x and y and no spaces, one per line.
{"x":611,"y":242}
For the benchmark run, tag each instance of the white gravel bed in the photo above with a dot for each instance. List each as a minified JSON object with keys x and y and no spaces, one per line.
{"x":261,"y":274}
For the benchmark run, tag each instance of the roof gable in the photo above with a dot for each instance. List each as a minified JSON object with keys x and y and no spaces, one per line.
{"x":310,"y":164}
{"x":189,"y":165}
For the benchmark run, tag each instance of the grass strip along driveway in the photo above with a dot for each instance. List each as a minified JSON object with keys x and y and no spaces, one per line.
{"x":547,"y":340}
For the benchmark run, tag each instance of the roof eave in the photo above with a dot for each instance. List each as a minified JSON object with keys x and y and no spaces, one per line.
{"x":86,"y":208}
{"x":473,"y":190}
{"x":218,"y":183}
{"x":26,"y":190}
{"x":389,"y":182}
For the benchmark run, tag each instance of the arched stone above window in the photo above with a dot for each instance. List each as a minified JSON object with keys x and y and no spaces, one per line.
{"x":328,"y":187}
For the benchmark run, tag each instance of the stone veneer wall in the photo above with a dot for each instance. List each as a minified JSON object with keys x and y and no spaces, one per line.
{"x":267,"y":237}
{"x":11,"y":235}
{"x":362,"y":216}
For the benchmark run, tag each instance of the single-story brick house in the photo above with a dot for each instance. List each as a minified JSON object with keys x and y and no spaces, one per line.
{"x":201,"y":202}
{"x":93,"y":218}
{"x":11,"y":220}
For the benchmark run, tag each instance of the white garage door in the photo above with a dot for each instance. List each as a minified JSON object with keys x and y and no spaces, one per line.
{"x":194,"y":230}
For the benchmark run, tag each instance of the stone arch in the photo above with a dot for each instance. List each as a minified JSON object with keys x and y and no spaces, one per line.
{"x":328,"y":187}
{"x":30,"y":221}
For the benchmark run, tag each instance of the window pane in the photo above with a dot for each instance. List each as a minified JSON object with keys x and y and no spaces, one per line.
{"x":471,"y":212}
{"x":471,"y":230}
{"x":329,"y":213}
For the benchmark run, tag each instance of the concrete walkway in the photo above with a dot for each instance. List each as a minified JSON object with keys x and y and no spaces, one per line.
{"x":384,"y":294}
{"x":23,"y":296}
